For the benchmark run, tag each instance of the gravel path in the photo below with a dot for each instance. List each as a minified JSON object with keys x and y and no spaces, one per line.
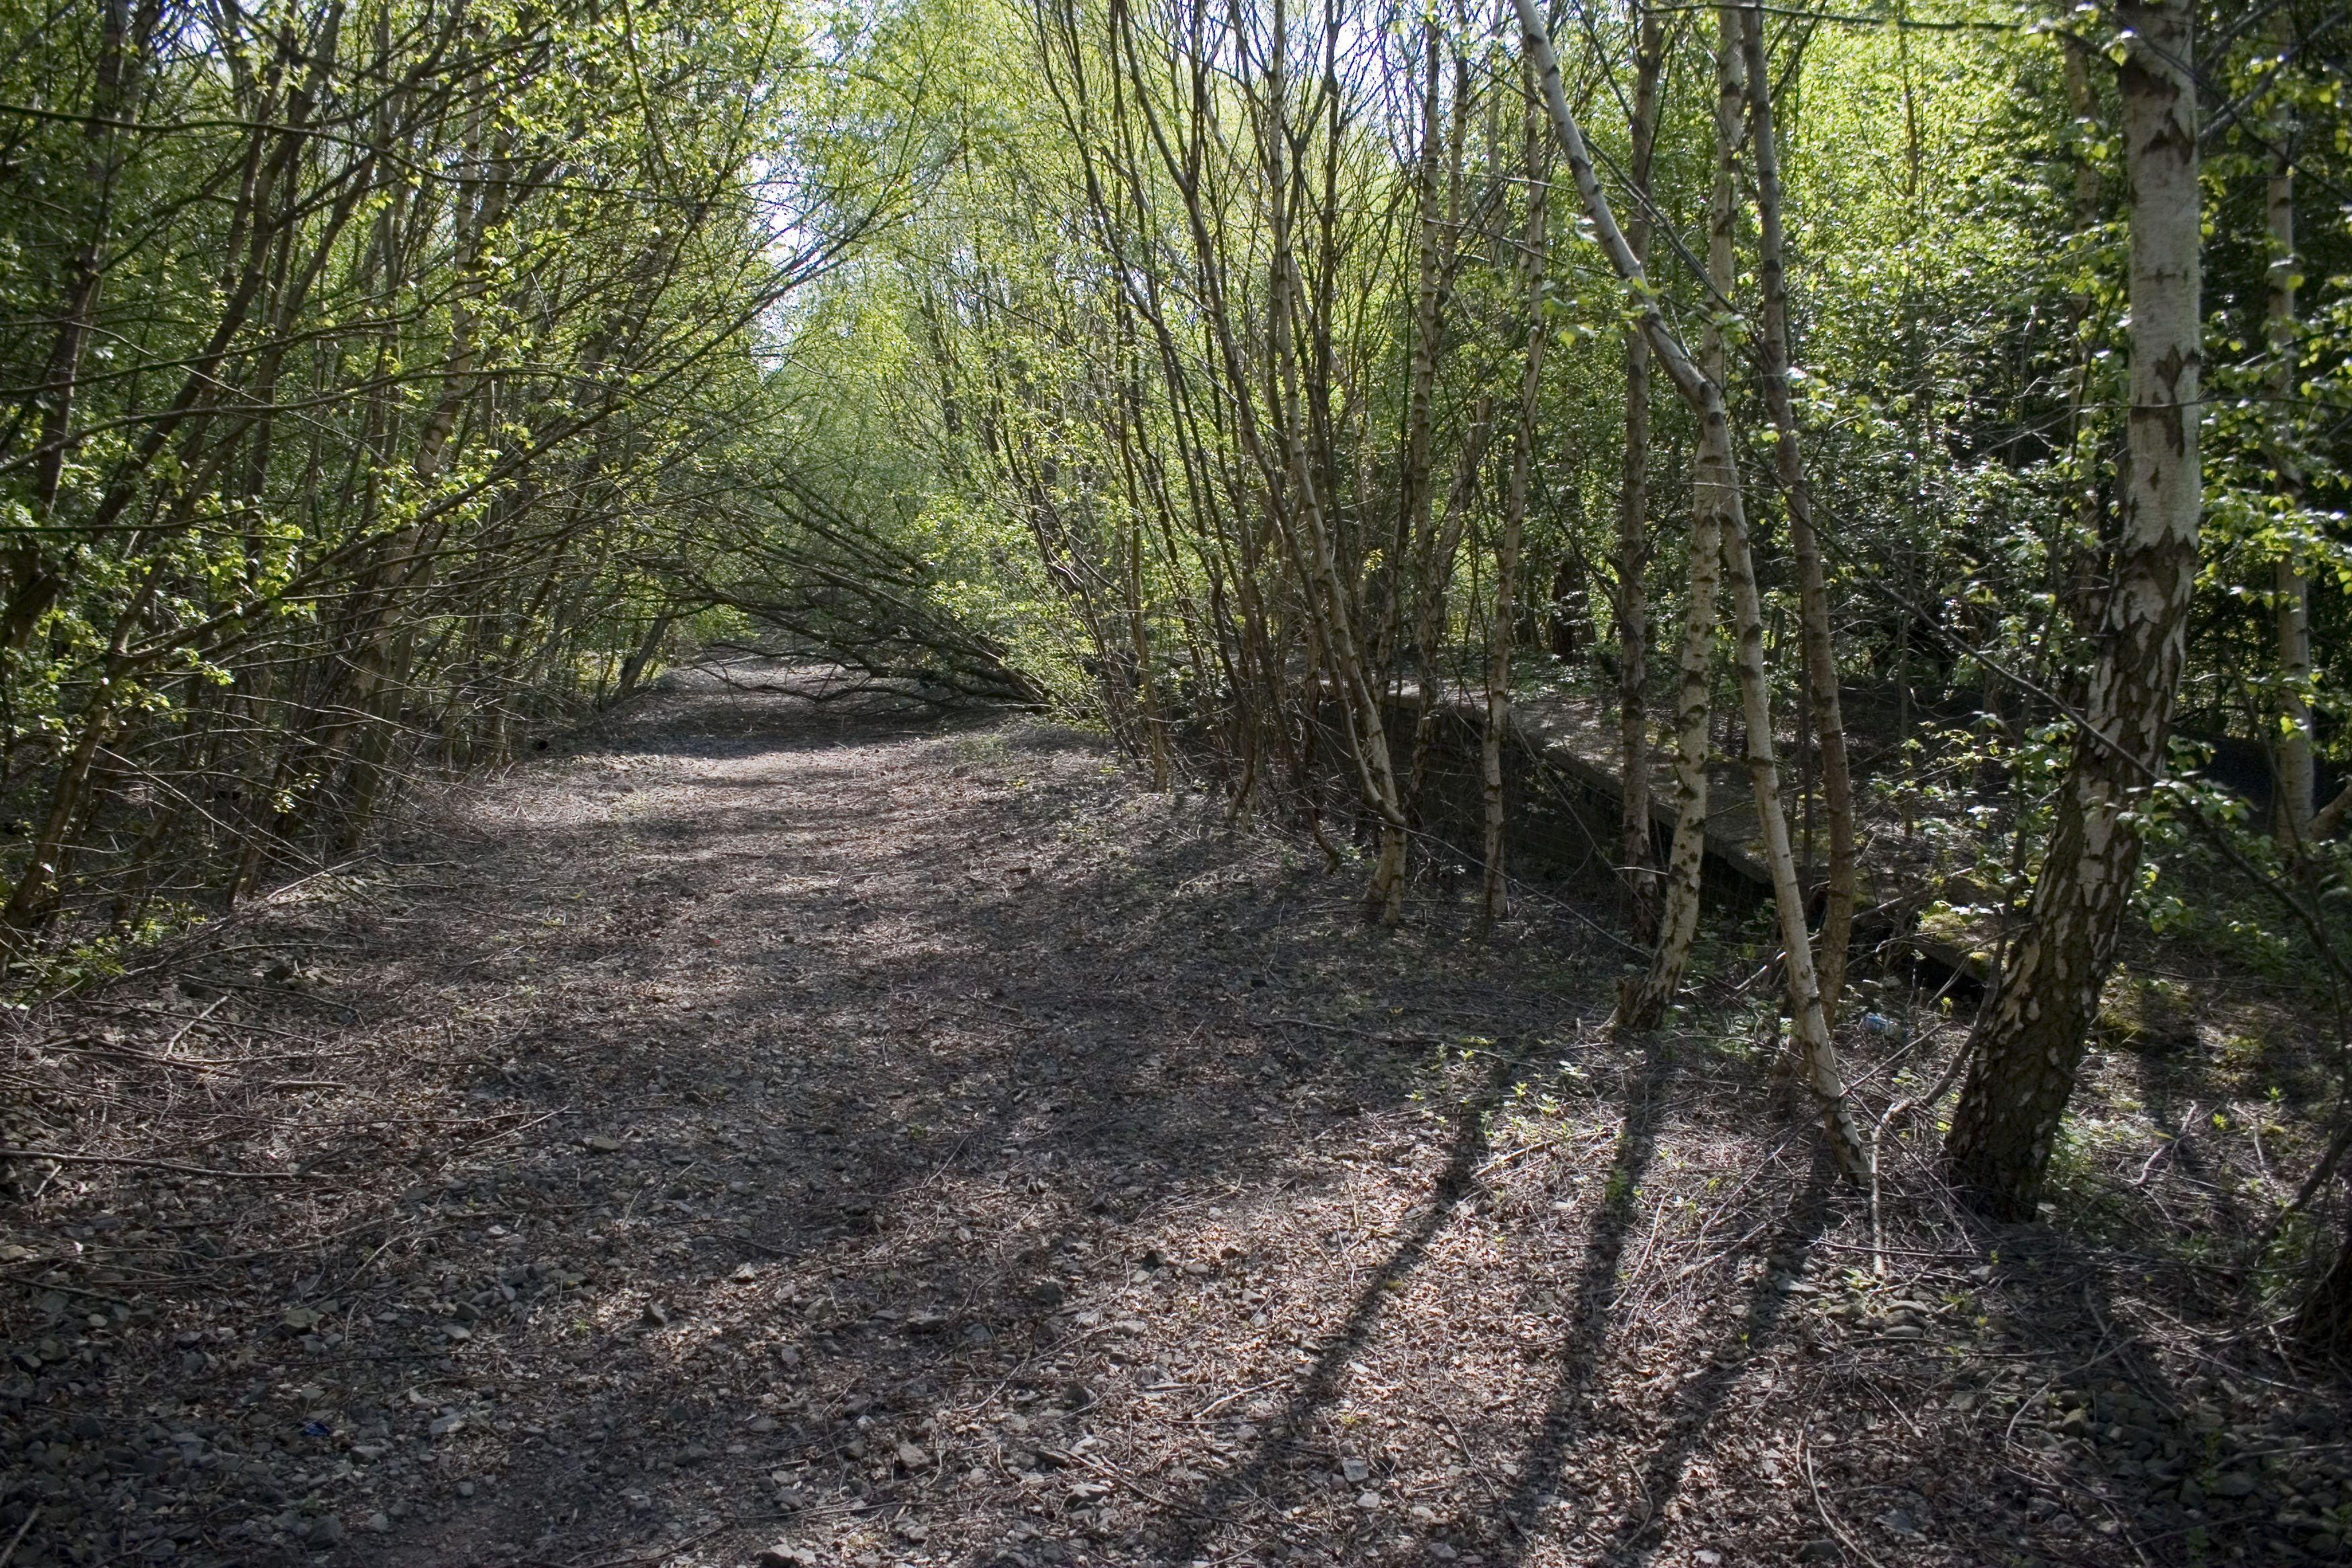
{"x":867,"y":1139}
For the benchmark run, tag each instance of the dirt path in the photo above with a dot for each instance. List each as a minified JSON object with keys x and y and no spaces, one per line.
{"x":894,"y":1141}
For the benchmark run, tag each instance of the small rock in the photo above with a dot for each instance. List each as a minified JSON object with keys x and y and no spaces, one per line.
{"x":447,"y":1426}
{"x":785,"y":1555}
{"x":656,"y":1316}
{"x":760,"y":1424}
{"x":324,"y":1532}
{"x":598,"y":1144}
{"x":1355,"y":1470}
{"x":1368,"y":1499}
{"x":2232,"y":1483}
{"x":911,"y":1457}
{"x":459,"y":1332}
{"x":978,"y":1334}
{"x":1824,"y":1550}
{"x":1900,"y":1523}
{"x":376,"y":1523}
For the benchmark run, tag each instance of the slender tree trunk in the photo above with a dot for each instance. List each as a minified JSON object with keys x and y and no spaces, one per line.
{"x":1827,"y":722}
{"x":34,"y":580}
{"x":1147,"y":688}
{"x":1635,"y":856}
{"x":1436,"y":569}
{"x":36,"y":885}
{"x":1312,"y":544}
{"x":1815,"y":1054}
{"x":1514,"y":512}
{"x":632,"y":669}
{"x":2289,"y":588}
{"x":1411,"y":528}
{"x":1715,"y":498}
{"x":1704,"y":394}
{"x":2024,"y":1072}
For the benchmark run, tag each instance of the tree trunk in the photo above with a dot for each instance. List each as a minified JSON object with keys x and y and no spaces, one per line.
{"x":2024,"y":1068}
{"x":1311,"y":543}
{"x":33,"y":579}
{"x":1828,"y":722}
{"x":1704,"y":394}
{"x":1411,"y":531}
{"x":1435,"y":568}
{"x":2290,"y":588}
{"x":1635,"y":854}
{"x":1515,"y":511}
{"x":1714,"y":501}
{"x":38,"y":884}
{"x":632,"y":669}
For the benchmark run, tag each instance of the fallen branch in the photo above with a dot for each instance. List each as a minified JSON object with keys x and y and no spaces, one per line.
{"x":147,"y":1164}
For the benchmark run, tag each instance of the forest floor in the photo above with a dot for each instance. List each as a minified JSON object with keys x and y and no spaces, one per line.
{"x":865,"y":1139}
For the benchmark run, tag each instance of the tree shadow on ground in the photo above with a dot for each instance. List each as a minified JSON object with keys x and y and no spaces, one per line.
{"x":905,"y":1138}
{"x":1194,"y":1524}
{"x":723,"y":1103}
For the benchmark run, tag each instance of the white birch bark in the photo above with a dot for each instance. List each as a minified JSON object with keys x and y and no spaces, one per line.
{"x":1819,"y":654}
{"x":2024,"y":1072}
{"x":1636,"y":853}
{"x":1705,"y":394}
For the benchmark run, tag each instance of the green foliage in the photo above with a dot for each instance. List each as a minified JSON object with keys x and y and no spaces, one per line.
{"x":381,"y":372}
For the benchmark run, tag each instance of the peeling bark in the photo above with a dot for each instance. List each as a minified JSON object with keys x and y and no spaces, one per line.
{"x":1820,"y":650}
{"x":2023,"y":1073}
{"x":1634,"y":853}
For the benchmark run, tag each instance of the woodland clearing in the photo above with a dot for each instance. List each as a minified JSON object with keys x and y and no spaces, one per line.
{"x":866,"y":1136}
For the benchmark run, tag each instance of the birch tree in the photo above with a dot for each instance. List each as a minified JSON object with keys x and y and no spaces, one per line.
{"x":1817,"y":639}
{"x":2023,"y":1074}
{"x":1635,"y":855}
{"x":1705,"y":394}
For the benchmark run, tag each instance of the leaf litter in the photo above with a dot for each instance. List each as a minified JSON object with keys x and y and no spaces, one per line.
{"x":757,"y":1135}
